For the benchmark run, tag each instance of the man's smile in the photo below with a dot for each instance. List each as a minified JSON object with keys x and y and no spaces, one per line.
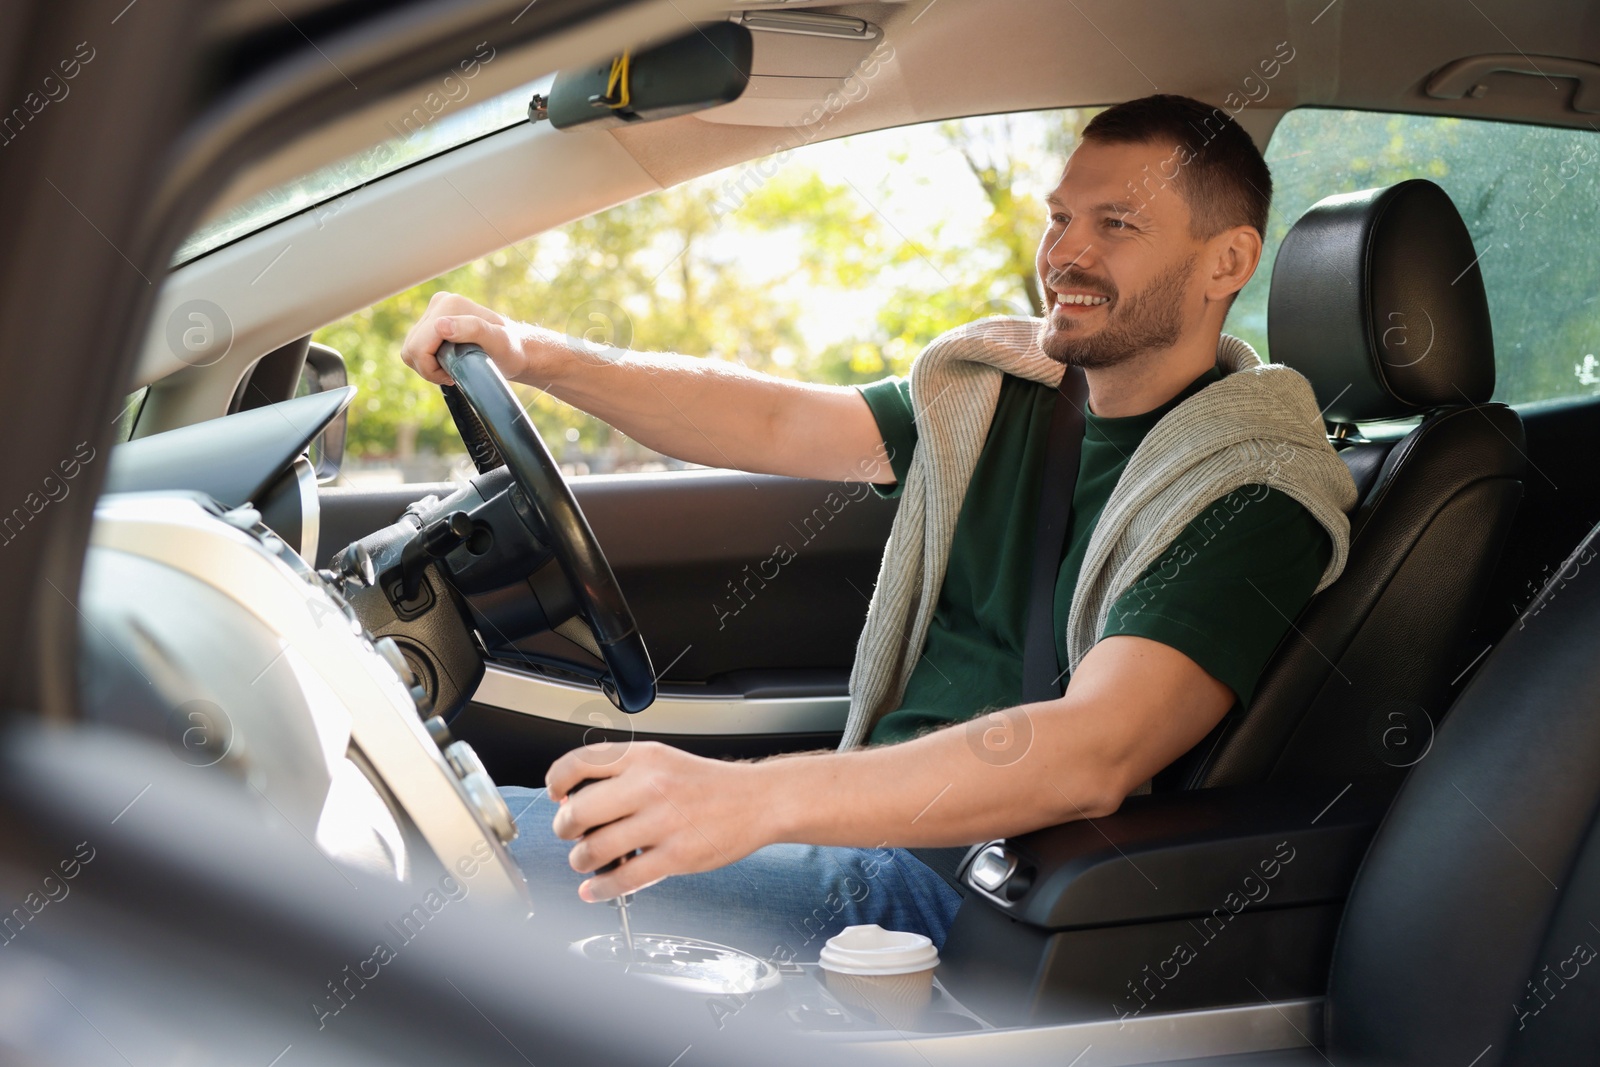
{"x":1075,"y":303}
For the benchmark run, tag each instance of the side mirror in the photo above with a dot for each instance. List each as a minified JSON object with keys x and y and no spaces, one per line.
{"x":325,"y":370}
{"x":708,"y":66}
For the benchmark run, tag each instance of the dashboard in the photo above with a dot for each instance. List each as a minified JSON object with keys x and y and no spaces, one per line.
{"x":202,"y":624}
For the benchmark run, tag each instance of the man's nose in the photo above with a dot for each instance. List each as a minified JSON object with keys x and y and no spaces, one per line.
{"x":1073,"y":247}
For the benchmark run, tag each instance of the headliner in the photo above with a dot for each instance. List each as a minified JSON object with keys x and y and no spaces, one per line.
{"x":956,"y":58}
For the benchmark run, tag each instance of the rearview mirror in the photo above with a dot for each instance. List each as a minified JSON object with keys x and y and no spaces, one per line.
{"x":705,"y":67}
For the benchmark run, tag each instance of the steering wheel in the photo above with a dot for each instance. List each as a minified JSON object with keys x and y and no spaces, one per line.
{"x":632,"y":684}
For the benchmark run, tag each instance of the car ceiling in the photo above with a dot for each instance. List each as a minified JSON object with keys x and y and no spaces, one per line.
{"x":969,"y":57}
{"x":954,"y":58}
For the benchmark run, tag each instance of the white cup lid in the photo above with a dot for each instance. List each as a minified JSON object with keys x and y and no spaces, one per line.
{"x":870,"y":950}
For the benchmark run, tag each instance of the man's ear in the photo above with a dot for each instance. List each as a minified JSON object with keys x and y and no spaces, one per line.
{"x":1234,"y":255}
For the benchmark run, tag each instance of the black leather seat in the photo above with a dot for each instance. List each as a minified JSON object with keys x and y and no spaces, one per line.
{"x":1470,"y":936}
{"x":1376,"y":297}
{"x":1471,"y":928}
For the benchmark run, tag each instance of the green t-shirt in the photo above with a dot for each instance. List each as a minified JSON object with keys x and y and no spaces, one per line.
{"x":1223,"y":593}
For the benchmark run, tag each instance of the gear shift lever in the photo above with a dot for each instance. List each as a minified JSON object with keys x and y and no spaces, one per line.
{"x":622,"y":900}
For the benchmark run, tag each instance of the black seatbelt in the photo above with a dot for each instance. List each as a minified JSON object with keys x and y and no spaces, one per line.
{"x":1041,"y":673}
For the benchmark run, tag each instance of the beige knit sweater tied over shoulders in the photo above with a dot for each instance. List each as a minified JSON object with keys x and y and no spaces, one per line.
{"x":1259,"y":425}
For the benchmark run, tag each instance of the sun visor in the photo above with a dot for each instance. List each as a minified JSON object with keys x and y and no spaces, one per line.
{"x":801,"y":61}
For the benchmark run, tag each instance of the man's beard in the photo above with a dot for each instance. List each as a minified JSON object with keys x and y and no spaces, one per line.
{"x":1152,"y":319}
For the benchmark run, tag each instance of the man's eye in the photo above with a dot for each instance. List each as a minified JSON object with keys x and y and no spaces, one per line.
{"x":1117,"y":224}
{"x":1057,"y":218}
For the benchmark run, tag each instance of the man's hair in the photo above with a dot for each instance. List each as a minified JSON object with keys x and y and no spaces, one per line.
{"x":1220,"y":172}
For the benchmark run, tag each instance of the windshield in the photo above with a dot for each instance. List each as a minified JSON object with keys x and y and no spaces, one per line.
{"x":435,"y":123}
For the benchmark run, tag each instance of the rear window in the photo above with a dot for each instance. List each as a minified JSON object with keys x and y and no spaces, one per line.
{"x":1530,"y":196}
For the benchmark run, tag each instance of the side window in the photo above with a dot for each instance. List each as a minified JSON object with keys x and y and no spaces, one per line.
{"x":128,"y":418}
{"x":1530,"y":196}
{"x":833,"y":262}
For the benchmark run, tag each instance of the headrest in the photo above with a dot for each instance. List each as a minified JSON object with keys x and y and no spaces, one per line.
{"x":1377,"y":299}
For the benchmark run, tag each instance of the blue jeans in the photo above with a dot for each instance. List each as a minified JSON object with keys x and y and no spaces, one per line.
{"x":781,"y":902}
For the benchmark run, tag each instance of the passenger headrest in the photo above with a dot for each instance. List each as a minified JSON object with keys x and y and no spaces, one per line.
{"x":1376,"y":297}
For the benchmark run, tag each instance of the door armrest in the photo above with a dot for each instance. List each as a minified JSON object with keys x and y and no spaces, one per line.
{"x":1178,"y":902}
{"x":1172,"y":855}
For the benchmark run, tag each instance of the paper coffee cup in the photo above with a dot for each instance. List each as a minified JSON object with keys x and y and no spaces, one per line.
{"x":887,"y":972}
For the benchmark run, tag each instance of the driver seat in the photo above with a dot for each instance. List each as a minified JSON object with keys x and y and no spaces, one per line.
{"x":1377,"y":299}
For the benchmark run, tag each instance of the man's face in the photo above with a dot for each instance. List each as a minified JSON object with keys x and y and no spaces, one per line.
{"x":1118,"y":265}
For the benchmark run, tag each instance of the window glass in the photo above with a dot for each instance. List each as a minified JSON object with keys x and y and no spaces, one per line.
{"x":434,"y":120}
{"x":1531,"y":200}
{"x":128,"y":417}
{"x":835,"y":262}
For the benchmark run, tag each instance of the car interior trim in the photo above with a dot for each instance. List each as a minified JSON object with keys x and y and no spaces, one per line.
{"x":528,"y":694}
{"x":305,"y":479}
{"x":1237,"y":1030}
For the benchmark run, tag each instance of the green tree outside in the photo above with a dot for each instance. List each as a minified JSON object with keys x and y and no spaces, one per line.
{"x":672,"y":271}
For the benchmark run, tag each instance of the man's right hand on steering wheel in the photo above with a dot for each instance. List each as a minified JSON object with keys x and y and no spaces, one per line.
{"x":532,"y":355}
{"x":699,"y":410}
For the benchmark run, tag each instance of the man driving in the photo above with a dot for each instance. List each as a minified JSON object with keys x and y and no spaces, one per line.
{"x":1206,"y":509}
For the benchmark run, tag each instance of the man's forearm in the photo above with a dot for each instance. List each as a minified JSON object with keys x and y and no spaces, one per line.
{"x":1013,"y":771}
{"x":723,"y":415}
{"x":698,"y":410}
{"x":1133,"y":706}
{"x":951,"y":787}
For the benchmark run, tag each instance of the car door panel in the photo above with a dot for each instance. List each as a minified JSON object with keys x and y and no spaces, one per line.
{"x":518,"y":743}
